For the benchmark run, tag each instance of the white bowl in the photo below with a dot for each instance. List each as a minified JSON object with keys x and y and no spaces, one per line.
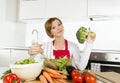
{"x":27,"y":72}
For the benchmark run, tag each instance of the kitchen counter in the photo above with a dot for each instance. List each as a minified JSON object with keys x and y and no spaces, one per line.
{"x":3,"y":69}
{"x":40,"y":82}
{"x":68,"y":82}
{"x":108,"y":77}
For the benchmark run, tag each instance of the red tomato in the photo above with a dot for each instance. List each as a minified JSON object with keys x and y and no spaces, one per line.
{"x":78,"y":78}
{"x":75,"y":71}
{"x":11,"y":78}
{"x":89,"y":78}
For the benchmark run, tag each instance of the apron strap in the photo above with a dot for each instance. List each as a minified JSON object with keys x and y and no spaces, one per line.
{"x":66,"y":45}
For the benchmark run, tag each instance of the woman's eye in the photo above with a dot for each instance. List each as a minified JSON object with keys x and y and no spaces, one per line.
{"x":53,"y":27}
{"x":59,"y":24}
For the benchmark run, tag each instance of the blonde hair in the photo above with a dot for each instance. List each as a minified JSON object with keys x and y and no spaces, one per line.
{"x":48,"y":25}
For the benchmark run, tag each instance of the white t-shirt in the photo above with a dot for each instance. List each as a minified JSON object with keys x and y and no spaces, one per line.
{"x":79,"y":60}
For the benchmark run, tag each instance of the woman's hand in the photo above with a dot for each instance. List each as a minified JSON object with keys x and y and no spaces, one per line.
{"x":91,"y":37}
{"x":35,"y":49}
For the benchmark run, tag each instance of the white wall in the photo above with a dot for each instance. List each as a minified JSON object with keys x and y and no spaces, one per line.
{"x":12,"y":33}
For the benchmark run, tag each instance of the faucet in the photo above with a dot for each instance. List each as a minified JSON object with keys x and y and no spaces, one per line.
{"x":35,"y":36}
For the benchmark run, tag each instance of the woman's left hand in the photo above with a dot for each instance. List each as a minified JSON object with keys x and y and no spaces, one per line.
{"x":91,"y":37}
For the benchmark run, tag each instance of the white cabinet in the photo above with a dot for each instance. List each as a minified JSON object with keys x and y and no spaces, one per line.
{"x":4,"y":57}
{"x":36,"y":9}
{"x":31,"y":9}
{"x":104,"y":7}
{"x":65,"y":8}
{"x":10,"y":55}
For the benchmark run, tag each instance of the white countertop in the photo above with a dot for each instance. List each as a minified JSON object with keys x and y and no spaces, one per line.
{"x":16,"y":48}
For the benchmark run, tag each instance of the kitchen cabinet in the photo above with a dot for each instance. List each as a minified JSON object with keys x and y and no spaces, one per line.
{"x":4,"y":57}
{"x":104,"y":7}
{"x":65,"y":8}
{"x":31,"y":9}
{"x":10,"y":55}
{"x":38,"y":9}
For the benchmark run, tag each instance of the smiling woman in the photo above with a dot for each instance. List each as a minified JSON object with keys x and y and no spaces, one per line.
{"x":60,"y":47}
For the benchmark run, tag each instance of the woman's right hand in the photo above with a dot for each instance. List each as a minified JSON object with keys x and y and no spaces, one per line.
{"x":35,"y":49}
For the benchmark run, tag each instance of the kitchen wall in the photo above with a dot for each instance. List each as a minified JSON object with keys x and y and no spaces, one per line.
{"x":12,"y":32}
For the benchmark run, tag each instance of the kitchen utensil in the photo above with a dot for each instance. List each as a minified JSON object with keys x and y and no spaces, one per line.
{"x":48,"y":62}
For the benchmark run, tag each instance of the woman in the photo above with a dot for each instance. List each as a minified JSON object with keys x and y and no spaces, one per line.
{"x":60,"y":47}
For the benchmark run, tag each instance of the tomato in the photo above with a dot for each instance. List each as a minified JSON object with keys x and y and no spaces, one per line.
{"x":89,"y":78}
{"x":11,"y":78}
{"x":78,"y":78}
{"x":75,"y":71}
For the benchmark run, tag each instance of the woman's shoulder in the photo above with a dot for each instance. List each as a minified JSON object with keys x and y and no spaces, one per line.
{"x":70,"y":43}
{"x":72,"y":46}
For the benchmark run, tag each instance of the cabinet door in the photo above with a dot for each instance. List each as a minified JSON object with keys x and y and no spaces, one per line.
{"x":65,"y":8}
{"x":104,"y":7}
{"x":31,"y":9}
{"x":4,"y":57}
{"x":36,"y":9}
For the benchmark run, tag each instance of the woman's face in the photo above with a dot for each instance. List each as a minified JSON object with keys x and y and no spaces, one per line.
{"x":57,"y":29}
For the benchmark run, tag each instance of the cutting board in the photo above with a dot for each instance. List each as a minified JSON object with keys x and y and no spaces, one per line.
{"x":111,"y":77}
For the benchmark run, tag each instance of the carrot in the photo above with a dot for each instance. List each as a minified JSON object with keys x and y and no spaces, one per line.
{"x":42,"y":79}
{"x":57,"y":76}
{"x":61,"y":80}
{"x":51,"y":71}
{"x":55,"y":81}
{"x":59,"y":71}
{"x":47,"y":76}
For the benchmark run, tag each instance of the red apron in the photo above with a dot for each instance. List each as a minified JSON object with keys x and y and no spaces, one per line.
{"x":62,"y":53}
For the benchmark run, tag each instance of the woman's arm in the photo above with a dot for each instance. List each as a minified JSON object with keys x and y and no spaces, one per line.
{"x":85,"y":56}
{"x":80,"y":60}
